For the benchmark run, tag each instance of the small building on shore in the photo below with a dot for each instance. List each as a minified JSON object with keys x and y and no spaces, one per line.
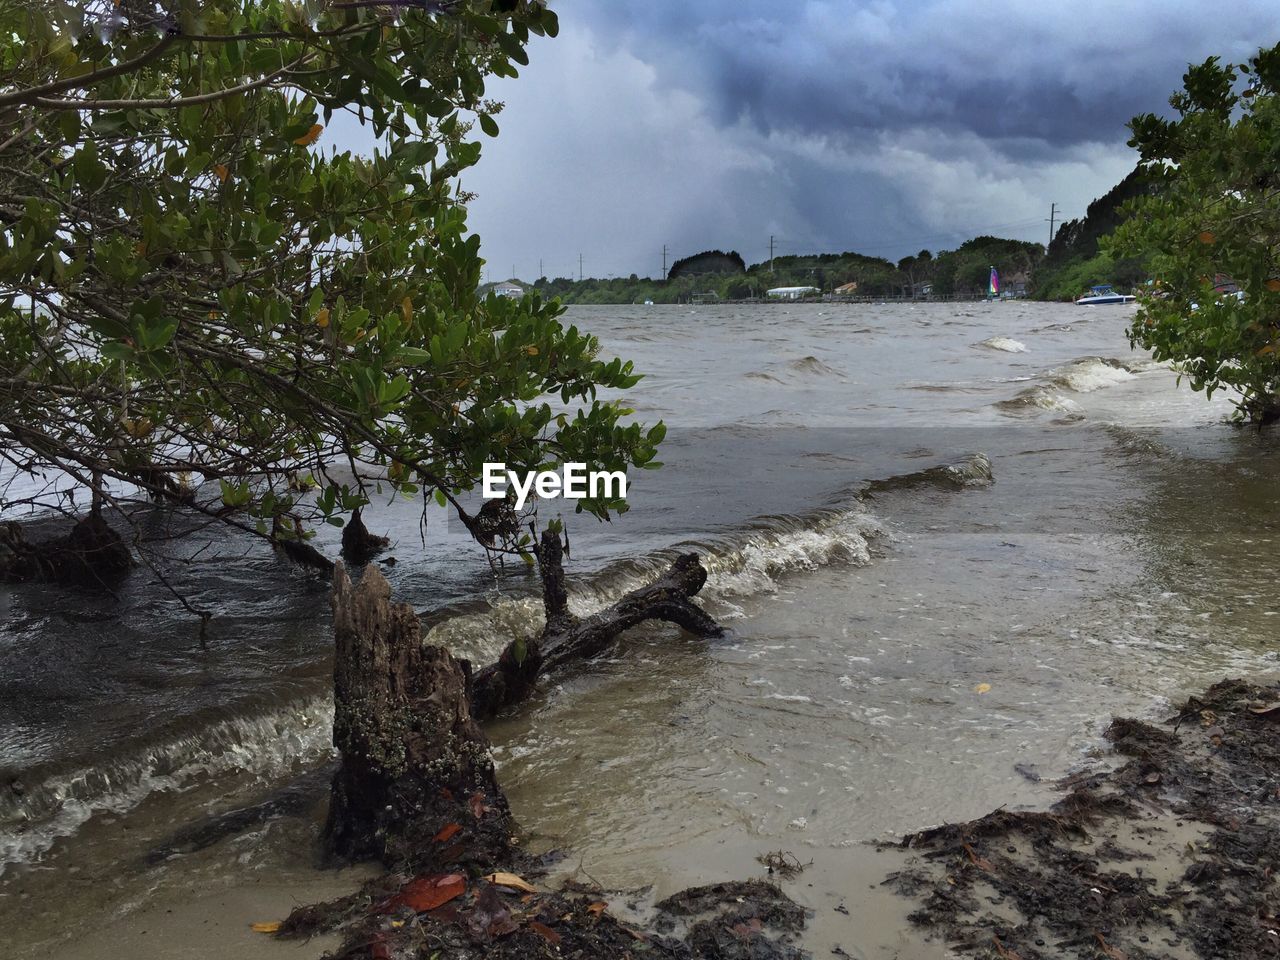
{"x":508,"y":288}
{"x":1014,"y":286}
{"x":847,"y":289}
{"x":792,"y":293}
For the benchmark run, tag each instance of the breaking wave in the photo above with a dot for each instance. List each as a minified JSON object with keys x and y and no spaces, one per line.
{"x":1004,"y":344}
{"x":269,"y":742}
{"x":1091,"y":373}
{"x":738,"y":566}
{"x":1084,"y":375}
{"x":262,"y":745}
{"x":1036,"y":399}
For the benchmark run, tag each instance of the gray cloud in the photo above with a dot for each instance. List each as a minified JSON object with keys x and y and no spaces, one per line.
{"x":1059,"y":72}
{"x":882,"y":127}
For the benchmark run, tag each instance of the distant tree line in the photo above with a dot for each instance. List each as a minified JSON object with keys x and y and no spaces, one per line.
{"x":709,"y":261}
{"x":724,"y":276}
{"x":1076,"y":260}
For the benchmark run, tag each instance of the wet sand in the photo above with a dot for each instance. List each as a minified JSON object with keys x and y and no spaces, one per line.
{"x":199,"y":924}
{"x":1173,"y":855}
{"x":851,"y":910}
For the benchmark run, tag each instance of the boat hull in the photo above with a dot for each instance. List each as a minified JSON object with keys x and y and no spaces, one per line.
{"x":1105,"y":300}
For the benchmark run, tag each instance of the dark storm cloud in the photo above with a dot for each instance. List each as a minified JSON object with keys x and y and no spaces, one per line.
{"x":1057,"y":73}
{"x":881,"y":127}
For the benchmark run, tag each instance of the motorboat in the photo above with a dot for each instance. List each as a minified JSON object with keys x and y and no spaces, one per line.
{"x":1103,"y":294}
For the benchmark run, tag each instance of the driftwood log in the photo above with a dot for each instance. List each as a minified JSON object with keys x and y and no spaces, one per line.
{"x":567,"y":638}
{"x":415,"y":786}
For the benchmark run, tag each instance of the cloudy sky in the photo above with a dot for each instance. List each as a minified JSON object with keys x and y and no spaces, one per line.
{"x":881,"y":126}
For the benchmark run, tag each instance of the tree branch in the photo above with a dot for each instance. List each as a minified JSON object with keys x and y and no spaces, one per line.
{"x":170,"y":103}
{"x":33,"y":95}
{"x":567,"y":638}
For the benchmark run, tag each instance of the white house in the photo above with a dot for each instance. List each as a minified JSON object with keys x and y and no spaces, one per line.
{"x":508,"y":288}
{"x":792,"y":293}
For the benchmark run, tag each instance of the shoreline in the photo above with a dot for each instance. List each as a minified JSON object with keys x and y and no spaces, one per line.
{"x":1172,"y":853}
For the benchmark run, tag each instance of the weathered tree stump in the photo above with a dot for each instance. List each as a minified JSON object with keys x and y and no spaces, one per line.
{"x":415,"y":787}
{"x":359,"y":546}
{"x":90,"y":554}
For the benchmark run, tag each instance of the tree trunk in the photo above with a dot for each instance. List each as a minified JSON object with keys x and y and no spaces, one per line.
{"x":567,"y":638}
{"x":415,"y":787}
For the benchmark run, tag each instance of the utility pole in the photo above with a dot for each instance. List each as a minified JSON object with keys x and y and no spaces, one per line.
{"x":579,"y":268}
{"x":1053,"y":213}
{"x":541,"y":272}
{"x":664,"y":261}
{"x":771,"y":253}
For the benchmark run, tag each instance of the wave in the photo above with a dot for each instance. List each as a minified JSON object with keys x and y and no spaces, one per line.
{"x":1036,"y":399}
{"x":972,"y":471}
{"x":1091,"y":373}
{"x":795,"y":371}
{"x":1084,"y":375}
{"x":738,"y":565}
{"x":262,"y":744}
{"x":1004,"y":344}
{"x":267,"y":743}
{"x":812,"y":365}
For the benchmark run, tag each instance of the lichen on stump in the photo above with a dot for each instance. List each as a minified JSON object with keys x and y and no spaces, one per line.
{"x":415,"y":787}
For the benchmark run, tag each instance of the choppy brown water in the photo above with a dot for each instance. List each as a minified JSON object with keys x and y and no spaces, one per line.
{"x":1125,"y":555}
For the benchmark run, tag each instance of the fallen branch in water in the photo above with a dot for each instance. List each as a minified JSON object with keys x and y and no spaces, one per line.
{"x":567,"y":638}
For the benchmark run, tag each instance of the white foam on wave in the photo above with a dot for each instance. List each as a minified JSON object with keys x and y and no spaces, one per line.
{"x":260,"y":745}
{"x":1091,"y":373}
{"x":1005,"y":344}
{"x":1079,"y":376}
{"x":736,"y":568}
{"x":298,"y":735}
{"x":1039,"y":398}
{"x":755,"y":566}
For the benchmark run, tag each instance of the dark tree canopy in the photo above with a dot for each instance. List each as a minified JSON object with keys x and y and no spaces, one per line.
{"x":708,"y":262}
{"x":203,"y":301}
{"x":1212,"y":232}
